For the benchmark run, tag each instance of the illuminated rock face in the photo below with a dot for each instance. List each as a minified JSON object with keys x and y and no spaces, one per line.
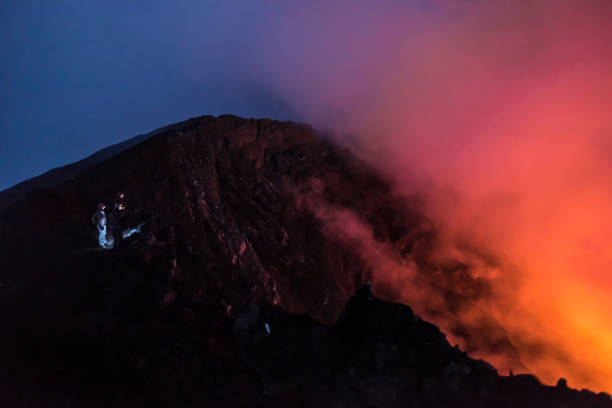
{"x":233,"y":272}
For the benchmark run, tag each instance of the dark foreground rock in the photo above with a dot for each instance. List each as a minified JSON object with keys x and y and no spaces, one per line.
{"x":235,"y":292}
{"x":377,"y":354}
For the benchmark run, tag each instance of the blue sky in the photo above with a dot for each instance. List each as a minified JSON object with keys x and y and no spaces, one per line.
{"x":76,"y":76}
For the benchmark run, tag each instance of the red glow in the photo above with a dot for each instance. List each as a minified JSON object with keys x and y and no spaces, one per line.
{"x":501,"y":116}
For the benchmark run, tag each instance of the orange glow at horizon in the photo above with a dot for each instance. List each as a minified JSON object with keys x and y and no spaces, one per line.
{"x":498,"y":114}
{"x":535,"y":188}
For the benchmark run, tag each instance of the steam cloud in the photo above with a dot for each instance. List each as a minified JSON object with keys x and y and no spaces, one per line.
{"x":498,"y":114}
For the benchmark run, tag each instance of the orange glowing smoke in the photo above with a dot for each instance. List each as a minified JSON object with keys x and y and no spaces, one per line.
{"x":499,"y":114}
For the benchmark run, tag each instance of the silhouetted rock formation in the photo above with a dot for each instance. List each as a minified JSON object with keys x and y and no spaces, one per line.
{"x":235,"y":293}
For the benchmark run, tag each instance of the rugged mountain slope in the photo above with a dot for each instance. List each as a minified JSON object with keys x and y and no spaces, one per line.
{"x":55,"y":177}
{"x":219,"y":200}
{"x":235,"y":235}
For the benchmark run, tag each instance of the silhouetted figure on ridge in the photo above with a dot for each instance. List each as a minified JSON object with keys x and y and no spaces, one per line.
{"x":120,"y":208}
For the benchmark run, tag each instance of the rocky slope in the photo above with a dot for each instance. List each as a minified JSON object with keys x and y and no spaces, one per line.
{"x":235,"y":291}
{"x":57,"y":176}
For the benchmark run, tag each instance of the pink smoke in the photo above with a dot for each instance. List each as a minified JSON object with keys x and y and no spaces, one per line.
{"x":498,"y":114}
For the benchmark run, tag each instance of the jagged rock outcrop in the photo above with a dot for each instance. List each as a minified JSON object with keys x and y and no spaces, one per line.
{"x":230,"y":242}
{"x":382,"y":354}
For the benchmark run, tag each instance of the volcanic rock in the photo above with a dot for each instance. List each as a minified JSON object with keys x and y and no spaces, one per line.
{"x":236,"y":292}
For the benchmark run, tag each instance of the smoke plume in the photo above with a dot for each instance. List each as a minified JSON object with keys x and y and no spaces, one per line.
{"x":496,"y":114}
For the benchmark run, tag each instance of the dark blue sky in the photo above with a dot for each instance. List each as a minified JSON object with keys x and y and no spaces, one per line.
{"x":76,"y":76}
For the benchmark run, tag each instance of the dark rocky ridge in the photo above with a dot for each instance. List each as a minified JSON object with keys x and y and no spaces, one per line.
{"x":176,"y":313}
{"x":55,"y":177}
